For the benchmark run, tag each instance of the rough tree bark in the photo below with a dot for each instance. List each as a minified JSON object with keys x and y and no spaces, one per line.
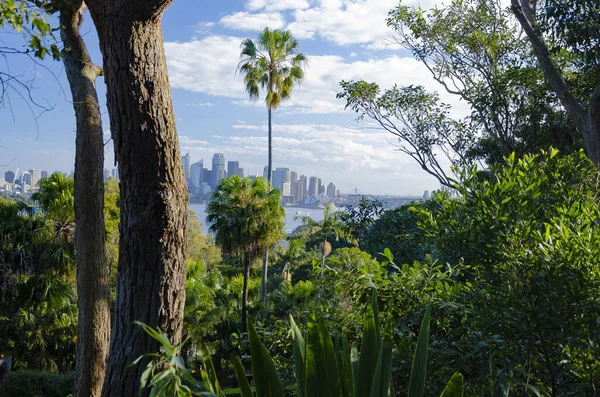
{"x":265,"y":264}
{"x":586,"y":120}
{"x":245,"y":292}
{"x":93,"y":298}
{"x":154,"y":201}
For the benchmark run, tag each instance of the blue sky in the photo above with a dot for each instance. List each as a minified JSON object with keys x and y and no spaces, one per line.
{"x":313,"y":134}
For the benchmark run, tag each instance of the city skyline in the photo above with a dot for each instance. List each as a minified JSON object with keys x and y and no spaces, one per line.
{"x":312,"y":132}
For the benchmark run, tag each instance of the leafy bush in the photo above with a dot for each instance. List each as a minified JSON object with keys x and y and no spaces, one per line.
{"x":25,"y":383}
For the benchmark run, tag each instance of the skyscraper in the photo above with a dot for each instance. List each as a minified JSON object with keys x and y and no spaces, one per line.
{"x":185,"y":161}
{"x":321,"y":187}
{"x":233,"y":168}
{"x":115,"y":173}
{"x":44,"y":174}
{"x":9,"y":176}
{"x":196,"y":174}
{"x":36,"y":175}
{"x":293,"y":183}
{"x":313,"y":186}
{"x":241,"y":172}
{"x":218,"y":169}
{"x":304,"y":180}
{"x":281,"y":177}
{"x":331,"y":190}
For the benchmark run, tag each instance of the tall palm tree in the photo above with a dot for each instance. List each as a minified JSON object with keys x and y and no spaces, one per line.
{"x":274,"y":64}
{"x":246,"y":217}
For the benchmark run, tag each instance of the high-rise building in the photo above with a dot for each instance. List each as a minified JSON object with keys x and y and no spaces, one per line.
{"x":426,"y":195}
{"x":185,"y":161}
{"x":300,"y":191}
{"x":321,"y":188}
{"x":9,"y":176}
{"x":25,"y":178}
{"x":241,"y":172}
{"x":36,"y":175}
{"x":206,"y":176}
{"x":293,"y":183}
{"x":304,"y":180}
{"x":196,"y":173}
{"x":218,"y":169}
{"x":106,"y":174}
{"x":313,"y":186}
{"x":44,"y":174}
{"x":233,"y":168}
{"x":281,"y":176}
{"x":265,"y":173}
{"x":115,"y":173}
{"x":331,"y":190}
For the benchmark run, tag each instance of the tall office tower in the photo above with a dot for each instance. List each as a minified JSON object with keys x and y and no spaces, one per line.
{"x":293,"y":183}
{"x":313,"y":186}
{"x":218,"y":169}
{"x":36,"y":175}
{"x":185,"y":161}
{"x":115,"y":173}
{"x":241,"y":172}
{"x":25,"y":178}
{"x":300,"y":190}
{"x":106,"y":174}
{"x":233,"y":168}
{"x":44,"y":174}
{"x":426,"y":195}
{"x":206,"y":176}
{"x":196,"y":174}
{"x":331,"y":190}
{"x":9,"y":176}
{"x":321,"y":188}
{"x":304,"y":181}
{"x":280,"y":177}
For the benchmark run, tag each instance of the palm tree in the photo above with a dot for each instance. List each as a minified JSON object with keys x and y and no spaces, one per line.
{"x":274,"y":64}
{"x":329,"y":226}
{"x":246,"y":217}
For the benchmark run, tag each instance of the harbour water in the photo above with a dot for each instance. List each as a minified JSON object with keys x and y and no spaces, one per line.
{"x":290,"y":214}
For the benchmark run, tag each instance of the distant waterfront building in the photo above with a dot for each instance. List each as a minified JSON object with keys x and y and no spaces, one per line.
{"x":25,"y":178}
{"x":9,"y":176}
{"x":281,"y":177}
{"x":115,"y":173}
{"x":196,"y":174}
{"x":321,"y":188}
{"x":241,"y":172}
{"x":233,"y":168}
{"x":205,"y":189}
{"x":218,"y":169}
{"x":313,"y":186}
{"x":186,"y":162}
{"x":331,"y":190}
{"x":265,"y":174}
{"x":106,"y":174}
{"x":36,"y":175}
{"x":206,"y":176}
{"x":293,"y":183}
{"x":302,"y":192}
{"x":44,"y":174}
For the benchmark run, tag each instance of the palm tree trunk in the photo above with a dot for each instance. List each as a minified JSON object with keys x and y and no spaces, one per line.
{"x":245,"y":292}
{"x":265,"y":264}
{"x":93,"y":292}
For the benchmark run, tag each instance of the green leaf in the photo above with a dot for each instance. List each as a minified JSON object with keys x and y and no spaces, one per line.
{"x":299,"y":350}
{"x":209,"y":375}
{"x":369,"y":352}
{"x":383,"y":373}
{"x":347,"y":370}
{"x":265,"y":376}
{"x":419,"y":368}
{"x":455,"y":387}
{"x":330,"y":361}
{"x":240,"y":374}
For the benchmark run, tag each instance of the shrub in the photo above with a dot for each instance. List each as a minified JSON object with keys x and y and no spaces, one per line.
{"x":25,"y":383}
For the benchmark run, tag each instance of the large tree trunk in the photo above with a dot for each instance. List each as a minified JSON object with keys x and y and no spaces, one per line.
{"x":93,"y":293}
{"x":588,"y":122}
{"x":154,"y":200}
{"x":245,"y":292}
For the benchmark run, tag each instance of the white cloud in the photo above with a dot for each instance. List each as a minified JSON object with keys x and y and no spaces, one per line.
{"x":276,"y":5}
{"x":253,"y":22}
{"x":208,"y":65}
{"x":201,"y":105}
